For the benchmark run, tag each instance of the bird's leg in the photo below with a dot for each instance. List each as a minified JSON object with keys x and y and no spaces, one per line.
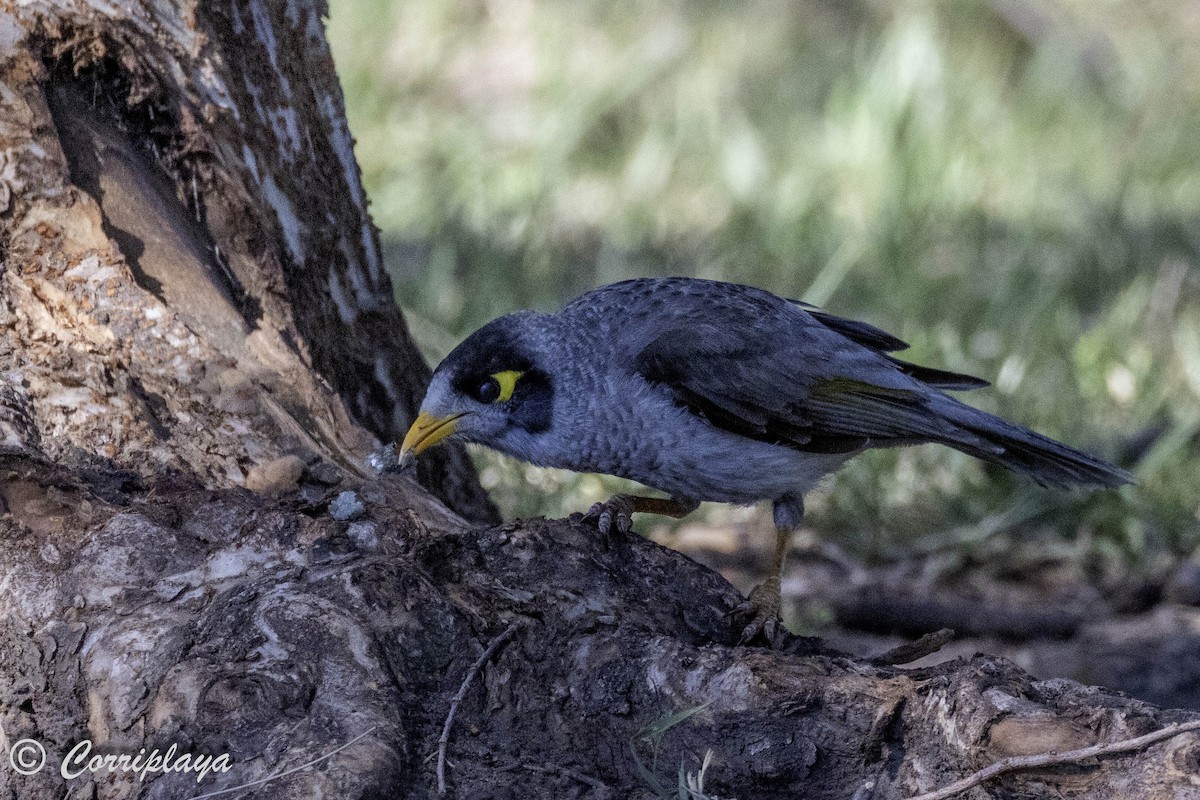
{"x":619,"y":509}
{"x":766,"y":599}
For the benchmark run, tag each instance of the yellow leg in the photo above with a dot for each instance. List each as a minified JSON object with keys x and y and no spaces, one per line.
{"x":766,"y":599}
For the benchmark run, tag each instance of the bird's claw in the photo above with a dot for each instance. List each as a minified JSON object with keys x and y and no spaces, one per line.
{"x":615,"y":514}
{"x":762,"y":606}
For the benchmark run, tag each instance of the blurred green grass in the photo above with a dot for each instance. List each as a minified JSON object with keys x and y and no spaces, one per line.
{"x":1012,"y":187}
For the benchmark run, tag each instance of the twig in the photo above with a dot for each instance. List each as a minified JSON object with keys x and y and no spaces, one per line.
{"x":282,"y":773}
{"x":1053,"y":759}
{"x":444,"y":741}
{"x":554,"y":769}
{"x":911,"y":651}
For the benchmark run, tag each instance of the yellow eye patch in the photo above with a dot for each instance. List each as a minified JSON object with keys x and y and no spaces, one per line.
{"x":508,"y":382}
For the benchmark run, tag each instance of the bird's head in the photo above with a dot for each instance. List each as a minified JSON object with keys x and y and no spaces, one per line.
{"x":489,"y":390}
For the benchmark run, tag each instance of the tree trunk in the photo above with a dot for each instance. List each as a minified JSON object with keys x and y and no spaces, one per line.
{"x":194,"y":282}
{"x":200,"y":351}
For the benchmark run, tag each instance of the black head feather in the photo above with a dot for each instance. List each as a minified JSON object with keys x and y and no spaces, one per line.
{"x":494,"y":348}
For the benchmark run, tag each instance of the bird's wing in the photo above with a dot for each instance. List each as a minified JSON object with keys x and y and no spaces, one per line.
{"x":883,"y":342}
{"x":862,"y":332}
{"x":796,"y":379}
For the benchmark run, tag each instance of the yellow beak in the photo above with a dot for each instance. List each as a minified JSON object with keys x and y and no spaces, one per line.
{"x":425,"y":432}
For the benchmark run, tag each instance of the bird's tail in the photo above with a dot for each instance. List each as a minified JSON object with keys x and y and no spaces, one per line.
{"x":1048,"y":462}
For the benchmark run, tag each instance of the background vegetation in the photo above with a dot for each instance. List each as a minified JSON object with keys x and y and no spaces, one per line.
{"x":1012,"y":187}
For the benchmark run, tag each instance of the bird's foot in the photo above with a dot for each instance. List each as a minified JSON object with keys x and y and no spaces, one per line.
{"x":613,"y":515}
{"x":762,"y":606}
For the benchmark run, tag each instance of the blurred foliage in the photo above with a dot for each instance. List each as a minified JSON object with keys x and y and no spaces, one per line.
{"x":1013,"y":187}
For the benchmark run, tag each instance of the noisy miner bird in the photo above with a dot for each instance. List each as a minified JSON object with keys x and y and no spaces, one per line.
{"x":712,"y":391}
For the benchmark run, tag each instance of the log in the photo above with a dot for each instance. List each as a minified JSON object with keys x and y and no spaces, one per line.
{"x":269,"y":630}
{"x":200,"y":351}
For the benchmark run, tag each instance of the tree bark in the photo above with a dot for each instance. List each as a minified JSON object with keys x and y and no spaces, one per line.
{"x":200,"y":351}
{"x":194,"y":281}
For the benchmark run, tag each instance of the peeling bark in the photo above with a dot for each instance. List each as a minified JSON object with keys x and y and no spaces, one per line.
{"x":193,"y":281}
{"x":200,"y":350}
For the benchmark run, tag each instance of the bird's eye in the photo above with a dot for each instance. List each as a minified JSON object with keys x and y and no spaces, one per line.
{"x":497,"y":388}
{"x":488,"y":391}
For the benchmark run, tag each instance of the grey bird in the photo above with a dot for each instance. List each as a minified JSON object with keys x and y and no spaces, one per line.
{"x":712,"y":391}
